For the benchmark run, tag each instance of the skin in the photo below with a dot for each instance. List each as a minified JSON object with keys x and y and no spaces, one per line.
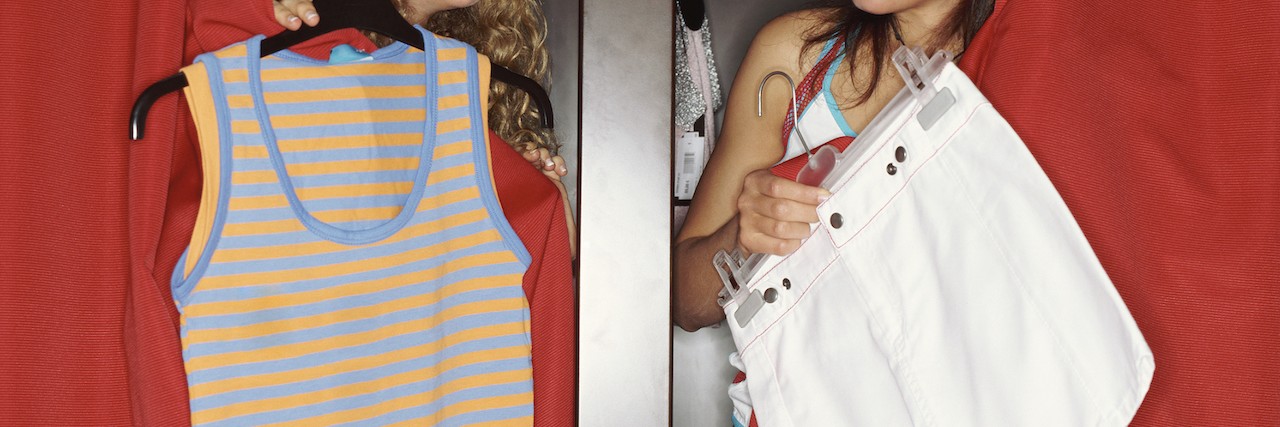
{"x":740,"y":204}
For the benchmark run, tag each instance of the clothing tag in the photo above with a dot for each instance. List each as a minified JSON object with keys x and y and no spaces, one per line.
{"x":346,"y":53}
{"x":690,"y":159}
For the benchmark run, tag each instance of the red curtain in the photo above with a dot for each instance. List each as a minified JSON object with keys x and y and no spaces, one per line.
{"x":91,"y":223}
{"x":1159,"y":123}
{"x":68,"y":74}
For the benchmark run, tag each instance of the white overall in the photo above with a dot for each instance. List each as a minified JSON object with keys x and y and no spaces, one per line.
{"x":947,"y":284}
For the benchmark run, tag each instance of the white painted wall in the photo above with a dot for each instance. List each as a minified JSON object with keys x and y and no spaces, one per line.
{"x":625,"y":191}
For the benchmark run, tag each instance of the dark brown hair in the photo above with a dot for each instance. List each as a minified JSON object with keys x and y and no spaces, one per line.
{"x":841,"y":17}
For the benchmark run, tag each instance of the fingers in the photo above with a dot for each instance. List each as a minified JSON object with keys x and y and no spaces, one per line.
{"x":538,"y":157}
{"x":767,"y":184}
{"x":544,"y":161}
{"x":767,"y":224}
{"x":530,"y":155}
{"x":286,"y":18}
{"x":560,"y":169}
{"x":293,"y":13}
{"x":778,"y":209}
{"x":551,"y":166}
{"x":763,"y":234}
{"x":553,"y":176}
{"x":775,"y":228}
{"x":774,"y":214}
{"x":761,"y":244}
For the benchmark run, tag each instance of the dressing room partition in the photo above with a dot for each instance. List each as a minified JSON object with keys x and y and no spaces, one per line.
{"x":624,"y":199}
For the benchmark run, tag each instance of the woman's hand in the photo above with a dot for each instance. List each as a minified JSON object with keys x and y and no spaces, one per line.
{"x":551,"y":166}
{"x":774,"y":213}
{"x":293,"y":13}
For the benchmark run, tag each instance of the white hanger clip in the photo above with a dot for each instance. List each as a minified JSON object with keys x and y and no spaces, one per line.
{"x":735,"y":272}
{"x":918,"y":71}
{"x":920,"y":76}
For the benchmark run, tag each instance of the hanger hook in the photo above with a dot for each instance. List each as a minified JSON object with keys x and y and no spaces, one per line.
{"x":794,"y":109}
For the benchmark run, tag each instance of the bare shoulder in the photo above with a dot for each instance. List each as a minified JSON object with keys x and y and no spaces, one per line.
{"x":781,"y":42}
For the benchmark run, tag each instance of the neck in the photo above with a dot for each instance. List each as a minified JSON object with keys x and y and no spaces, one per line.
{"x":919,"y":24}
{"x":420,"y":15}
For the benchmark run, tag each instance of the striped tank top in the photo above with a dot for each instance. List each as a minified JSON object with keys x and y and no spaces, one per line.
{"x":350,"y":263}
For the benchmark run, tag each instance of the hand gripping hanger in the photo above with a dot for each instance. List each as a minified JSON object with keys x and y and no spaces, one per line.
{"x":734,"y":269}
{"x":919,"y":73}
{"x":790,"y":85}
{"x":818,"y":164}
{"x":379,"y":16}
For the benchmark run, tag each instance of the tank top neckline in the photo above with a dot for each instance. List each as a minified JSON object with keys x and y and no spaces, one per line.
{"x":828,"y":76}
{"x":315,"y":225}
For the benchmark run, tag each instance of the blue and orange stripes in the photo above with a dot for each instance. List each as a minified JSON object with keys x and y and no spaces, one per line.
{"x":351,"y":264}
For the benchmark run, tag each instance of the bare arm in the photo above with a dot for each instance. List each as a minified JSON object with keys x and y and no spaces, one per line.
{"x":738,"y":203}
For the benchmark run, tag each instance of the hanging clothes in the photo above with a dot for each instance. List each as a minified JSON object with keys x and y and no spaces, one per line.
{"x":164,"y":203}
{"x":945,"y":284}
{"x":1160,"y":134}
{"x":697,"y":96}
{"x":697,"y":81}
{"x":820,"y":118}
{"x":349,"y":260}
{"x":94,"y":223}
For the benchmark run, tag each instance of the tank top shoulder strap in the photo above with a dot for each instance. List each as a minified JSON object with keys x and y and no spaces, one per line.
{"x":811,"y":85}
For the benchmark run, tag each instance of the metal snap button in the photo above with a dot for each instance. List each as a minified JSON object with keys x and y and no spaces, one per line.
{"x":900,"y":154}
{"x":891,"y":169}
{"x":770,"y":295}
{"x":836,"y":220}
{"x":786,"y":283}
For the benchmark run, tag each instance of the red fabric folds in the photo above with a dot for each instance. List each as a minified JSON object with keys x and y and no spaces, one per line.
{"x":531,"y":203}
{"x":1155,"y":120}
{"x":65,"y":90}
{"x":1158,"y":124}
{"x":92,"y":224}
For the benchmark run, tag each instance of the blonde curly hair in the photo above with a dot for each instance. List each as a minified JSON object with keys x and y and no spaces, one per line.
{"x":513,"y":34}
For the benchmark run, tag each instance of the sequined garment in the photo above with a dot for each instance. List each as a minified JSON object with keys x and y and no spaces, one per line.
{"x":689,"y":103}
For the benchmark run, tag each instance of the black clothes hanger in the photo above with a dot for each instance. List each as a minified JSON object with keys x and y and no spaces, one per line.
{"x":379,"y":16}
{"x":693,"y":12}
